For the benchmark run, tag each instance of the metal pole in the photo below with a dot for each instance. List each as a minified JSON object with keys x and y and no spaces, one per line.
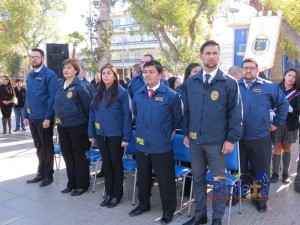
{"x":123,"y":67}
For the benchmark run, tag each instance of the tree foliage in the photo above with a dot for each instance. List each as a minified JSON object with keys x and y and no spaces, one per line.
{"x":75,"y":39}
{"x":28,"y":24}
{"x":182,"y":24}
{"x":12,"y":64}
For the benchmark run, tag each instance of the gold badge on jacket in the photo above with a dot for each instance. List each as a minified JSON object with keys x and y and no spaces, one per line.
{"x":69,"y":95}
{"x":214,"y":95}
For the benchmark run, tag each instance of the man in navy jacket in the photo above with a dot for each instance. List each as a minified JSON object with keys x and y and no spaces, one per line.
{"x":258,"y":97}
{"x":39,"y":114}
{"x":212,"y":123}
{"x":157,"y":110}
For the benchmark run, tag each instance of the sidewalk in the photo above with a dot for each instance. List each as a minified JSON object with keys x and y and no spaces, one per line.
{"x":22,"y":203}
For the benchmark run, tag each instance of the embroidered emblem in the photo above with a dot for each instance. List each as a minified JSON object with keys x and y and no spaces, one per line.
{"x":214,"y":95}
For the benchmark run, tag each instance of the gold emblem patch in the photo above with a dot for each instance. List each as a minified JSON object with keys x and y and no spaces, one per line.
{"x":28,"y":110}
{"x":69,"y":95}
{"x":139,"y":141}
{"x":57,"y":121}
{"x":97,"y":125}
{"x":193,"y":135}
{"x":214,"y":95}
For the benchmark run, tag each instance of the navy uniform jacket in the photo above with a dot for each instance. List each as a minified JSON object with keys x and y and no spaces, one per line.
{"x":113,"y":121}
{"x":137,"y":82}
{"x":40,"y":93}
{"x":261,"y":96}
{"x":156,"y":118}
{"x":89,"y":86}
{"x":72,"y":105}
{"x":214,"y":115}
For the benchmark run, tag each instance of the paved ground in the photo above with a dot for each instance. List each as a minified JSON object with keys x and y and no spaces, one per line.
{"x":22,"y":203}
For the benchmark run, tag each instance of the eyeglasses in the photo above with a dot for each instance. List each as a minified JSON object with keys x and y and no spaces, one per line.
{"x":249,"y":68}
{"x":35,"y":57}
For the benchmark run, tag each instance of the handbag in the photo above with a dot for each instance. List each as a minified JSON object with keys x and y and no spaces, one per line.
{"x":15,"y":100}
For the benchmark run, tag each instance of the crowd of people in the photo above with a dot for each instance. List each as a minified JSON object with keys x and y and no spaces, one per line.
{"x":214,"y":110}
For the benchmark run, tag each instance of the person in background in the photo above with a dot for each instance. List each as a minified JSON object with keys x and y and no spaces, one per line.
{"x":285,"y":135}
{"x":6,"y":102}
{"x":72,"y":107}
{"x":135,"y":70}
{"x":88,"y":85}
{"x":174,"y":82}
{"x":236,"y":72}
{"x":20,"y":92}
{"x":158,"y":113}
{"x":258,"y":97}
{"x":96,"y":80}
{"x":138,"y":81}
{"x":190,"y":70}
{"x":39,"y":114}
{"x":110,"y":124}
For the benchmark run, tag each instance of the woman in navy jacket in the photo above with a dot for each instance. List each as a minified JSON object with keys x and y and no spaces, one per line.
{"x":286,"y":134}
{"x":110,"y":124}
{"x":71,"y":107}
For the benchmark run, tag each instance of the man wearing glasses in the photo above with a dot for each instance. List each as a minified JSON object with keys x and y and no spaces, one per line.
{"x":258,"y":97}
{"x":39,"y":114}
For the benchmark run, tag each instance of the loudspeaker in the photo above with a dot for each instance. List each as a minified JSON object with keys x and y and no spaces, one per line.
{"x":56,"y":54}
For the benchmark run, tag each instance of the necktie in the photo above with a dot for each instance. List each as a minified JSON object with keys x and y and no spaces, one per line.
{"x":207,"y":76}
{"x":249,"y":84}
{"x":151,"y":92}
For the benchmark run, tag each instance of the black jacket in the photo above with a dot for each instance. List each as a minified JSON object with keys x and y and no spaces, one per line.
{"x":292,"y":120}
{"x":20,"y":96}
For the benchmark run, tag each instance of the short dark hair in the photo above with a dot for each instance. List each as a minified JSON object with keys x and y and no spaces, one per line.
{"x":74,"y":63}
{"x":38,"y":50}
{"x":157,"y":65}
{"x":18,"y":80}
{"x":149,"y":55}
{"x":250,"y":60}
{"x":208,"y":43}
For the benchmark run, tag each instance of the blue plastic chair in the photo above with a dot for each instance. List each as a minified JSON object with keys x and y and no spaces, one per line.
{"x":129,"y":164}
{"x":181,"y":154}
{"x":232,"y":163}
{"x":94,"y":157}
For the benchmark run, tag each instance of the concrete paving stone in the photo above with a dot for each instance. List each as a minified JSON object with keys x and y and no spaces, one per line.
{"x":22,"y":203}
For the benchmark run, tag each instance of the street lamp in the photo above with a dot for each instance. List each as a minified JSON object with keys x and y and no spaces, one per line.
{"x":233,"y":11}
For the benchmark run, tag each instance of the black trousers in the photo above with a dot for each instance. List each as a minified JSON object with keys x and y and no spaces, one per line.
{"x":43,"y":142}
{"x":112,"y":154}
{"x":258,"y":153}
{"x":73,"y":143}
{"x":6,"y":110}
{"x":163,"y":164}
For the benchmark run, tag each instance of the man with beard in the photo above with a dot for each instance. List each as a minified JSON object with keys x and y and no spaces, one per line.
{"x":39,"y":114}
{"x":212,"y":123}
{"x":259,"y":96}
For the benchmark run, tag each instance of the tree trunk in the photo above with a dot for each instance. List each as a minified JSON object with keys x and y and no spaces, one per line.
{"x":104,"y":33}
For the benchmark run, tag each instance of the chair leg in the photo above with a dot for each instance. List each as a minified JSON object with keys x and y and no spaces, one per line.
{"x":240,"y":197}
{"x":230,"y":204}
{"x":190,"y":200}
{"x":58,"y":168}
{"x":182,"y":193}
{"x":134,"y":187}
{"x":95,"y":175}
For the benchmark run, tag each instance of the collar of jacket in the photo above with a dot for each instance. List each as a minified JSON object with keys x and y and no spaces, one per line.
{"x":75,"y":81}
{"x":258,"y":81}
{"x":162,"y":88}
{"x":220,"y":75}
{"x":41,"y":72}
